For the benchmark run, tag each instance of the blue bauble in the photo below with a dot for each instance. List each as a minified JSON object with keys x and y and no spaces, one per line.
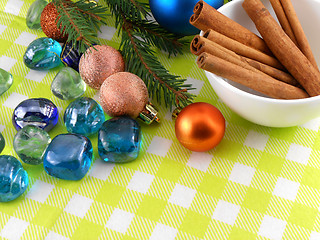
{"x":174,"y":15}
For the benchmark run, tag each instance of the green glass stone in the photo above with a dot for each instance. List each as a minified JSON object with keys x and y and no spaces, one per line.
{"x":2,"y":142}
{"x":67,"y":84}
{"x":6,"y":81}
{"x":34,"y":13}
{"x":30,"y":143}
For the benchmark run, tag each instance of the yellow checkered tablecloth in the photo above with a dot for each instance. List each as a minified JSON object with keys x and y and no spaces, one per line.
{"x":259,"y":183}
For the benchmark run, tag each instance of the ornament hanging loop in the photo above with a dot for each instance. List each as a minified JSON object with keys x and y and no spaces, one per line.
{"x":149,"y":114}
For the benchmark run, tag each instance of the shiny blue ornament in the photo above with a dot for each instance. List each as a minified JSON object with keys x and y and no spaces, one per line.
{"x":40,"y":112}
{"x":119,"y":140}
{"x":84,"y":116}
{"x":13,"y":178}
{"x":68,"y":156}
{"x":42,"y":54}
{"x":70,"y":56}
{"x":174,"y":15}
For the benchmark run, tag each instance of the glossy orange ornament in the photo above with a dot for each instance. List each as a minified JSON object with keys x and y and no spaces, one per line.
{"x":200,"y":127}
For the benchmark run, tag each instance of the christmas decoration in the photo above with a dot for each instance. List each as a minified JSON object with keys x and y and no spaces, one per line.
{"x":139,"y":36}
{"x":49,"y":26}
{"x":30,"y":143}
{"x":200,"y":127}
{"x":79,"y":21}
{"x":68,"y":84}
{"x":6,"y":81}
{"x":42,"y":54}
{"x":98,"y":63}
{"x":68,"y":156}
{"x":119,"y":140}
{"x":174,"y":15}
{"x":13,"y":178}
{"x":124,"y":93}
{"x":84,"y":116}
{"x":70,"y":56}
{"x":34,"y":13}
{"x":40,"y":112}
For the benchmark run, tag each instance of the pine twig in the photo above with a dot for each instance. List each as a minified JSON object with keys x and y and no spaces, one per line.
{"x":138,"y":36}
{"x":80,"y":21}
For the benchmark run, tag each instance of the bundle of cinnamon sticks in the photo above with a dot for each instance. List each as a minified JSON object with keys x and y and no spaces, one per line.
{"x":280,"y":64}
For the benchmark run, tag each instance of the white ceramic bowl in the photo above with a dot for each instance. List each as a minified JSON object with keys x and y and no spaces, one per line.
{"x":254,"y":106}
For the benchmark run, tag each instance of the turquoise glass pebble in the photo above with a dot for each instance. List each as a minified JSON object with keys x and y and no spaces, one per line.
{"x":13,"y":178}
{"x":43,"y":54}
{"x":84,"y":116}
{"x":30,"y":143}
{"x":67,"y":84}
{"x":40,"y":112}
{"x":6,"y":81}
{"x":34,"y":13}
{"x":68,"y":156}
{"x":2,"y":142}
{"x":119,"y":140}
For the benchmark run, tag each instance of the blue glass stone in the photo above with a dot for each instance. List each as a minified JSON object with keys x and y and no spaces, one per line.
{"x":119,"y":140}
{"x":13,"y":178}
{"x":68,"y":156}
{"x":84,"y":116}
{"x":2,"y":142}
{"x":70,"y":56}
{"x":43,"y":54}
{"x":40,"y":112}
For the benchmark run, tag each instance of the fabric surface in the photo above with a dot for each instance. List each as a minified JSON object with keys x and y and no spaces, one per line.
{"x":259,"y":183}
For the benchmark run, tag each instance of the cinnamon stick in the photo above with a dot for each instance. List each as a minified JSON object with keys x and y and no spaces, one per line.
{"x":242,"y":49}
{"x":302,"y":40}
{"x":283,"y":48}
{"x":206,"y":17}
{"x":273,"y":72}
{"x":254,"y":80}
{"x":283,"y":20}
{"x":200,"y":44}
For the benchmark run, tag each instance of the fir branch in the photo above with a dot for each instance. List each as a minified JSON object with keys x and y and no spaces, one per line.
{"x":131,"y":8}
{"x":138,"y":36}
{"x":156,"y":36}
{"x":80,"y":20}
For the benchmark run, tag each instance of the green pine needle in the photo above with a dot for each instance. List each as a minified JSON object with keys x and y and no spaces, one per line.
{"x":81,"y":20}
{"x":138,"y":36}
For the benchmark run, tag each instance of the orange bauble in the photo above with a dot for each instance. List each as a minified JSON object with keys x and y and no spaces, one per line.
{"x":200,"y":127}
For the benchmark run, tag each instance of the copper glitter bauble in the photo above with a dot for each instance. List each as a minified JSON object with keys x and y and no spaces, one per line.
{"x":49,"y":25}
{"x":200,"y":127}
{"x":123,"y":93}
{"x":97,"y":65}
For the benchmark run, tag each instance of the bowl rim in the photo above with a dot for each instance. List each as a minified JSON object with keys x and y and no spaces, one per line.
{"x":250,"y":95}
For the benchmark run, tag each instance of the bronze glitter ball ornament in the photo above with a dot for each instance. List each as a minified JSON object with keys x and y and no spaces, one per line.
{"x":98,"y":63}
{"x":48,"y":23}
{"x":125,"y":94}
